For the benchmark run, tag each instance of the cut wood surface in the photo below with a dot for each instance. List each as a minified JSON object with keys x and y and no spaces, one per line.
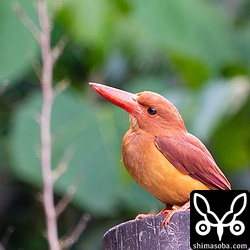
{"x":149,"y":233}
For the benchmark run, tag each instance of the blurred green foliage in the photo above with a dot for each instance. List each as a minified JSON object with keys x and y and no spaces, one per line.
{"x":195,"y":53}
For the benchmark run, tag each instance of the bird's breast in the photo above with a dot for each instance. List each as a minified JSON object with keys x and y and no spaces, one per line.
{"x":152,"y":170}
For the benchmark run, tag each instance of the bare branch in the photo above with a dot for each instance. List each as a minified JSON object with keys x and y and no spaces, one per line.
{"x":73,"y":235}
{"x":65,"y":200}
{"x":49,"y":57}
{"x":46,"y":141}
{"x":28,"y":23}
{"x":60,"y":86}
{"x":56,"y":52}
{"x":63,"y":165}
{"x":7,"y":234}
{"x":58,"y":49}
{"x":4,"y":86}
{"x":1,"y":247}
{"x":37,"y":68}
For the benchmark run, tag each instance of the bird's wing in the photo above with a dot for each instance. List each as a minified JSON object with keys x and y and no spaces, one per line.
{"x":190,"y":156}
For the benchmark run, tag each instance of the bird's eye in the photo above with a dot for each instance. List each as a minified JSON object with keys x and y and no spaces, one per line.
{"x":151,"y":111}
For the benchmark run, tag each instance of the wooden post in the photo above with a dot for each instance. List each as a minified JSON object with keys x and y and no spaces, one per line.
{"x":149,"y":233}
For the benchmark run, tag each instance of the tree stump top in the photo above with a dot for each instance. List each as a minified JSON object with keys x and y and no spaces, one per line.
{"x":148,"y":233}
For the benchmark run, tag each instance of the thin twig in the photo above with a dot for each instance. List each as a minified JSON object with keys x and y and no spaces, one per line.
{"x":65,"y":200}
{"x":4,"y":86}
{"x":60,"y":87}
{"x":63,"y":165}
{"x":28,"y":23}
{"x":1,"y":247}
{"x":72,"y":236}
{"x":6,"y":237}
{"x":36,"y":64}
{"x":49,"y":57}
{"x":46,"y":142}
{"x":57,"y":51}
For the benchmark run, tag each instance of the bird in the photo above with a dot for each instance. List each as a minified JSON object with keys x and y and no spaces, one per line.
{"x":160,"y":154}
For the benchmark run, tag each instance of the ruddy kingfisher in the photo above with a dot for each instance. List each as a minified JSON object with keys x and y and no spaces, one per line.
{"x":160,"y":154}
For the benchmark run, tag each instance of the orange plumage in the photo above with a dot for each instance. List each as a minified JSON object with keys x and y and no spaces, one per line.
{"x":158,"y":151}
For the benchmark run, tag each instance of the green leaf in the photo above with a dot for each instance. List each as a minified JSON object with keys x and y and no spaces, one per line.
{"x":192,"y":28}
{"x":194,"y":34}
{"x":242,"y":38}
{"x":86,"y":20}
{"x":218,"y":100}
{"x":17,"y":45}
{"x":77,"y":128}
{"x":231,"y":142}
{"x":89,"y":137}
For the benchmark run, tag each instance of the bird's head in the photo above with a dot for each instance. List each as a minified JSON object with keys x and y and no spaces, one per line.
{"x":147,"y":110}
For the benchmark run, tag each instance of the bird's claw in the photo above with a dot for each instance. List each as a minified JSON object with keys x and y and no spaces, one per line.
{"x":170,"y":213}
{"x":143,"y":216}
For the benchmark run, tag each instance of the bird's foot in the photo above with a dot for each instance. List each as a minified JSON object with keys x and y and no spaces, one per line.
{"x":143,"y":216}
{"x":166,"y":210}
{"x":171,"y":212}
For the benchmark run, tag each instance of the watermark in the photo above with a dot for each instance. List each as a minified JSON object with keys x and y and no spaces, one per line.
{"x":220,"y":219}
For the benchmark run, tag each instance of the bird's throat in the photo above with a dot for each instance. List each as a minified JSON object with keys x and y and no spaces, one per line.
{"x":133,"y":122}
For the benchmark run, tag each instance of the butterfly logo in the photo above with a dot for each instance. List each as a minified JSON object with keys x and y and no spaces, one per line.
{"x":210,"y":219}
